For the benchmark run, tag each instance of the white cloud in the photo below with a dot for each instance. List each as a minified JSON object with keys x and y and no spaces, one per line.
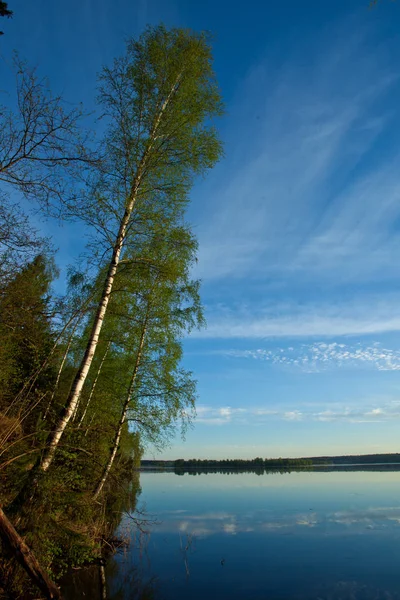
{"x":363,"y":412}
{"x":225,"y":411}
{"x":218,"y":415}
{"x":322,"y":356}
{"x":293,"y":415}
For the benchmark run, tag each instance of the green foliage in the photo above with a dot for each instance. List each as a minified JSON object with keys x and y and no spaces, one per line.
{"x":156,"y":299}
{"x":160,"y":101}
{"x":26,"y":369}
{"x":25,"y":330}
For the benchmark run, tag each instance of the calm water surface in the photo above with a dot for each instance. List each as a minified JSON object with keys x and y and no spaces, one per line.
{"x":300,"y":535}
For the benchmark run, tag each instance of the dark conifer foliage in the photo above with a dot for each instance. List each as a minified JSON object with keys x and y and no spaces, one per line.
{"x":4,"y":11}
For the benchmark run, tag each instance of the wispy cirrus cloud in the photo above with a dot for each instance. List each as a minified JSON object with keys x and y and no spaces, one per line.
{"x":366,"y":412}
{"x":293,"y":198}
{"x":363,"y":316}
{"x":306,"y":205}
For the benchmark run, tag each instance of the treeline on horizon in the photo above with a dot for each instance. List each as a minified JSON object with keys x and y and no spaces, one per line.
{"x":265,"y":463}
{"x":90,"y":376}
{"x":255,"y":465}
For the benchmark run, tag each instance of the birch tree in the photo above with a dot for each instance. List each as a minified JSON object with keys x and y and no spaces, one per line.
{"x":160,"y":100}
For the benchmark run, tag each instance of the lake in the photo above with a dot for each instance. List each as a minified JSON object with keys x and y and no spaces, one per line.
{"x":323,"y":535}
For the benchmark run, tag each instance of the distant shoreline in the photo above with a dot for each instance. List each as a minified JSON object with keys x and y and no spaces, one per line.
{"x":354,"y":460}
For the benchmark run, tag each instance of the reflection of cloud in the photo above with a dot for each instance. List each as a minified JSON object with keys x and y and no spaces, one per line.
{"x":200,"y":525}
{"x":230,"y":528}
{"x":308,"y":521}
{"x":373,"y":518}
{"x":272,"y":525}
{"x":219,"y":516}
{"x":267,"y":521}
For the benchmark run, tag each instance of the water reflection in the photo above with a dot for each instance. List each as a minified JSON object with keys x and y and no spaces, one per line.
{"x":265,"y":521}
{"x":315,"y":536}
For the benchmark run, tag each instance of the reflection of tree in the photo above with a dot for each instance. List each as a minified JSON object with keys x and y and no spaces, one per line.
{"x":140,"y":588}
{"x":259,"y":466}
{"x":82,"y":584}
{"x":235,"y":471}
{"x":186,"y":548}
{"x":89,"y":583}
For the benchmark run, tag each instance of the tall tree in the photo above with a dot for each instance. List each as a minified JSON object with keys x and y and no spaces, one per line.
{"x":26,"y":342}
{"x":160,"y":99}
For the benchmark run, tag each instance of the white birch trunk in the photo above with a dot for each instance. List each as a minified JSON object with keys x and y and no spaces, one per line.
{"x":93,"y":387}
{"x":122,"y":419}
{"x":83,"y":371}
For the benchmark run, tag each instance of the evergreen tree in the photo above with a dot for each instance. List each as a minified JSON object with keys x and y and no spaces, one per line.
{"x":26,"y":373}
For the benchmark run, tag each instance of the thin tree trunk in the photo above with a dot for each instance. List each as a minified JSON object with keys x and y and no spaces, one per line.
{"x":122,"y":419}
{"x":61,"y":368}
{"x":90,"y":424}
{"x":93,"y":386}
{"x":27,"y":559}
{"x":83,"y":371}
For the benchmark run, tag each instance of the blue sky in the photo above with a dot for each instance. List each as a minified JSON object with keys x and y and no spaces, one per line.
{"x":298,"y":225}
